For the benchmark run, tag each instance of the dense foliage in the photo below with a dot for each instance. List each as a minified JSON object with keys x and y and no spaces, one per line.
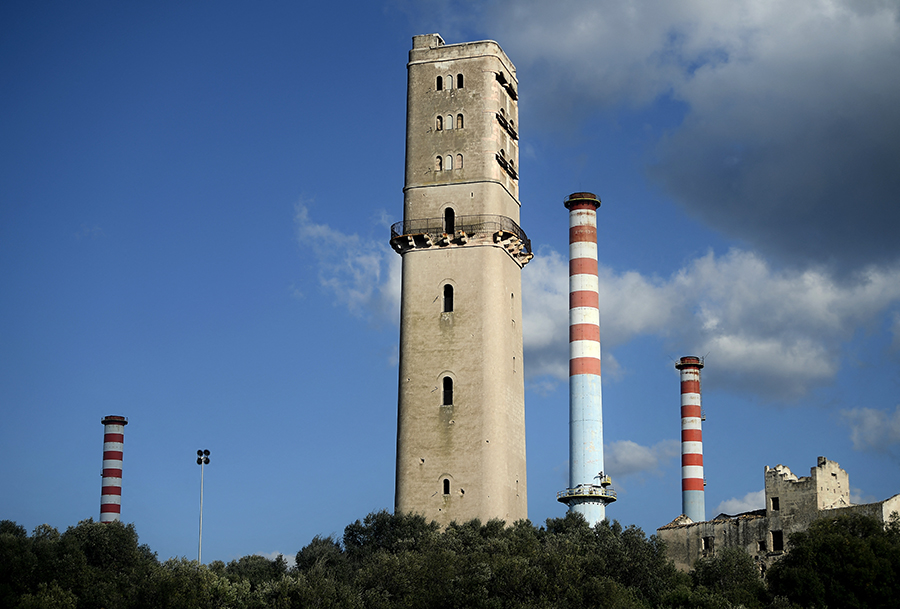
{"x":849,"y":562}
{"x":393,"y":561}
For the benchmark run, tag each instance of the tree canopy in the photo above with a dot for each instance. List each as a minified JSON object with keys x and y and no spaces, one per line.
{"x":402,"y":561}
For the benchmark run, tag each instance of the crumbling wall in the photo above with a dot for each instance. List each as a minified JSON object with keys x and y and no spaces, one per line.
{"x":792,"y":504}
{"x":688,"y":542}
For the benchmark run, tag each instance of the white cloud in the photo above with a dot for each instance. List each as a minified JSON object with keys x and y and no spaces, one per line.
{"x":362,"y":275}
{"x":755,"y":500}
{"x":768,"y":332}
{"x":624,"y":458}
{"x":870,"y":429}
{"x":858,"y":497}
{"x":790,"y":137}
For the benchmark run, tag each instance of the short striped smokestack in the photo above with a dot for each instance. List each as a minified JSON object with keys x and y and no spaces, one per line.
{"x":111,"y":493}
{"x":692,"y":482}
{"x":588,"y":491}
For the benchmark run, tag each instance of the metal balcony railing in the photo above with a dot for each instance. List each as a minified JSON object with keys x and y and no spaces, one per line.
{"x":484,"y":224}
{"x":587,"y":490}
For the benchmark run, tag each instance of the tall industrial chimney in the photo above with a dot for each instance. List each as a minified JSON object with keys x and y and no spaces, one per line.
{"x":588,"y":491}
{"x":692,"y":482}
{"x":111,"y":493}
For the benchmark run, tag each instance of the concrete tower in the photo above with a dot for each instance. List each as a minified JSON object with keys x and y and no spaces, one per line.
{"x":461,"y":404}
{"x":588,"y":491}
{"x":693,"y":503}
{"x":111,"y":491}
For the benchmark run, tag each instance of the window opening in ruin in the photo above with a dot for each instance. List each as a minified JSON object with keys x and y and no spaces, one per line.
{"x":449,"y":121}
{"x":707,"y":543}
{"x":449,"y":224}
{"x":449,"y":81}
{"x":449,"y":164}
{"x":440,"y":83}
{"x":459,"y":121}
{"x":777,"y":541}
{"x":439,"y":123}
{"x":448,"y":298}
{"x":438,"y":163}
{"x":775,"y":505}
{"x":761,"y":545}
{"x":448,"y":391}
{"x":446,"y":486}
{"x":459,"y":161}
{"x":459,"y":81}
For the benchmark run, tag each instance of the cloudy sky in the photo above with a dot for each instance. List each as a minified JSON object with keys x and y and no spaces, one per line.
{"x":194,"y":210}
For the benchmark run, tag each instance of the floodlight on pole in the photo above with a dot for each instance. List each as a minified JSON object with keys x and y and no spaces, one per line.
{"x":202,"y":459}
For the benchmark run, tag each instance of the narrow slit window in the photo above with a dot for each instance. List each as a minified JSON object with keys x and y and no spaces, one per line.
{"x":459,"y":81}
{"x":446,"y":486}
{"x":438,"y":163}
{"x":448,"y":391}
{"x":449,"y":81}
{"x":459,"y":121}
{"x":448,"y":300}
{"x":449,"y":164}
{"x":439,"y":124}
{"x":449,"y":121}
{"x":440,"y":83}
{"x":459,"y":161}
{"x":449,"y":220}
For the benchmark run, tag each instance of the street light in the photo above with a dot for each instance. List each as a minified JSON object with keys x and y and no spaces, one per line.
{"x":202,"y":459}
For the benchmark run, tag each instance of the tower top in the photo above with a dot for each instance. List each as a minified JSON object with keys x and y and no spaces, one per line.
{"x":582,"y":198}
{"x":114,"y":419}
{"x":689,"y":361}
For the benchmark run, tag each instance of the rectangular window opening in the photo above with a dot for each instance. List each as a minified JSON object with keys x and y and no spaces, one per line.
{"x":777,"y":541}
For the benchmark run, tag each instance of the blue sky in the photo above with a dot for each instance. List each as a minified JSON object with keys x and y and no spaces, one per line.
{"x":194,"y":209}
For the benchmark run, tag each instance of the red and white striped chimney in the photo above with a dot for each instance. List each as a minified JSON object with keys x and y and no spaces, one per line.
{"x":693,"y":503}
{"x":588,"y":493}
{"x":111,"y":493}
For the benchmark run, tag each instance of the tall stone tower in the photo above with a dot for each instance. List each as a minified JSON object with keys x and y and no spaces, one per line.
{"x":461,"y":404}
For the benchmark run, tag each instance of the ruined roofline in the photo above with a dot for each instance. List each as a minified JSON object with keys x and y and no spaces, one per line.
{"x":784,"y":471}
{"x":683,"y":522}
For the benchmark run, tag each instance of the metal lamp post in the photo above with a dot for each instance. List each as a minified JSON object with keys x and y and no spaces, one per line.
{"x":202,"y":459}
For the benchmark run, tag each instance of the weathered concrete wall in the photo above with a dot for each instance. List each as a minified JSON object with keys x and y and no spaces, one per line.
{"x":464,"y":459}
{"x":792,"y":504}
{"x":686,"y":543}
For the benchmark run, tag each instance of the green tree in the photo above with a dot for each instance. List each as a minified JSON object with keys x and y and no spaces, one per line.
{"x":733,"y":574}
{"x":102,"y":563}
{"x":17,"y":563}
{"x":255,"y":569}
{"x":389,"y":532}
{"x":322,"y":554}
{"x":48,"y":597}
{"x":849,"y":561}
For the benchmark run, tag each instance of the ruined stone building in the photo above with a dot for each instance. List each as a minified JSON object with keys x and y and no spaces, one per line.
{"x":792,"y":503}
{"x":461,"y":393}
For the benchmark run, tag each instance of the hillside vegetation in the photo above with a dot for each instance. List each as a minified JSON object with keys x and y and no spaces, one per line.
{"x":394,"y":561}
